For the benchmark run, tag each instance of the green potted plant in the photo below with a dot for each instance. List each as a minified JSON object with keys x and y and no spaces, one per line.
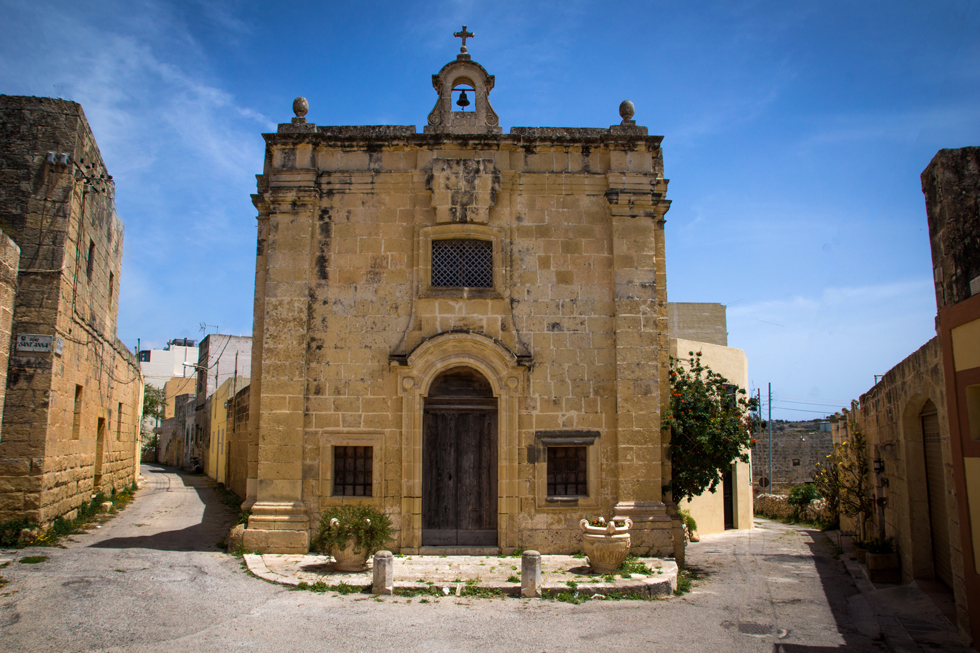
{"x":882,"y":560}
{"x":606,"y":544}
{"x":690,"y":525}
{"x":351,"y":533}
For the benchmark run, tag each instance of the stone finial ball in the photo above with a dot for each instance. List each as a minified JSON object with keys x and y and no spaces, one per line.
{"x":626,"y":110}
{"x":301,"y":106}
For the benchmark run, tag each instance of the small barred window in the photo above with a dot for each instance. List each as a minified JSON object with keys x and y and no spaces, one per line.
{"x":352,"y":471}
{"x":567,"y":472}
{"x":462,"y":264}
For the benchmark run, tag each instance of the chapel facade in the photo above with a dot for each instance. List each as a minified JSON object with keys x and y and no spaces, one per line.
{"x":465,"y":328}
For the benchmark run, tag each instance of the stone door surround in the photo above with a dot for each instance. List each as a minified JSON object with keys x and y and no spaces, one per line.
{"x":500,"y":367}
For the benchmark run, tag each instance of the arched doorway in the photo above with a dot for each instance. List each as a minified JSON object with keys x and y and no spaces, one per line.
{"x":936,"y":486}
{"x":459,"y":461}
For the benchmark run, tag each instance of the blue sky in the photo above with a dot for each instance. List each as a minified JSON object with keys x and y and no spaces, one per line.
{"x":795,"y":134}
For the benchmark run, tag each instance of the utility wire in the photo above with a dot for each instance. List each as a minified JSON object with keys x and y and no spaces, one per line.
{"x":801,"y":410}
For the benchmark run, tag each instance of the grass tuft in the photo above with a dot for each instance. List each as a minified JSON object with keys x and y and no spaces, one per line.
{"x":87,"y":513}
{"x":633,"y":565}
{"x":32,"y":560}
{"x":685,"y":578}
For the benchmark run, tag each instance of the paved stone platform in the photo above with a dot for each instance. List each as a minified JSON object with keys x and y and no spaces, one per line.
{"x":453,"y":573}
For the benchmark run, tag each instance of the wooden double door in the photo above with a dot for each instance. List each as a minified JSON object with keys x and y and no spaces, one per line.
{"x":459,"y":462}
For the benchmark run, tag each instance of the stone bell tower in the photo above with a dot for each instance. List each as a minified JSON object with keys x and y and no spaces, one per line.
{"x":463,"y":76}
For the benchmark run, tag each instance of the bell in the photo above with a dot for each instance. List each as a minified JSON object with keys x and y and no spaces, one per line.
{"x":462,"y":101}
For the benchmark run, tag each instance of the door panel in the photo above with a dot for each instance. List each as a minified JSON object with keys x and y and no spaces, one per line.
{"x":936,"y":483}
{"x":728,"y":499}
{"x":459,"y":475}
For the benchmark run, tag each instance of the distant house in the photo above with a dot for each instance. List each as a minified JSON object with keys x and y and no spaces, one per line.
{"x":177,"y":359}
{"x":220,"y":357}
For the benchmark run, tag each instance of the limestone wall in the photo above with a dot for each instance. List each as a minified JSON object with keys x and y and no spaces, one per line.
{"x":890,"y":416}
{"x":572,"y":334}
{"x":805,"y":446}
{"x":951,"y":184}
{"x":701,"y":322}
{"x":237,"y":429}
{"x":778,"y":506}
{"x":9,"y":265}
{"x":71,"y":416}
{"x":167,"y":451}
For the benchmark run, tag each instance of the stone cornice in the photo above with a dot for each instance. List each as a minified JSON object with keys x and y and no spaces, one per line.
{"x":287,"y":200}
{"x":370,"y":136}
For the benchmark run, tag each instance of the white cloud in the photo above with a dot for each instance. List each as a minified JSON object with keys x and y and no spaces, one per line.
{"x":828,"y":348}
{"x":182,"y":150}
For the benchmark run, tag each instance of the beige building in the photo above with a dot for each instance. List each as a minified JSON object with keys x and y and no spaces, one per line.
{"x":219,"y":411}
{"x":178,"y":385}
{"x":463,"y":327}
{"x":703,"y":328}
{"x":74,"y":392}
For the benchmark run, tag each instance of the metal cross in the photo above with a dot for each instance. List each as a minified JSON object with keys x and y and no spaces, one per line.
{"x":463,"y":35}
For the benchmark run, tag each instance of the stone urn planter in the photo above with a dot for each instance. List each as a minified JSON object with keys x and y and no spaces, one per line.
{"x":348,"y":557}
{"x":883,"y":567}
{"x":351,"y":533}
{"x":605,"y":544}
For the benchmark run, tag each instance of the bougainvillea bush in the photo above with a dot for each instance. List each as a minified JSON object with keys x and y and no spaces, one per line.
{"x":710,"y":425}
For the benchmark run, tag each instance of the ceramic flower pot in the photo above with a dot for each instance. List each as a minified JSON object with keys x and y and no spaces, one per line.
{"x":606,"y":545}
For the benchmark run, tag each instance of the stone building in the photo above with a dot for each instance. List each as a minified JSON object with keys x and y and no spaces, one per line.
{"x":951,"y":184}
{"x":922,"y":420}
{"x":74,"y":391}
{"x":463,"y":327}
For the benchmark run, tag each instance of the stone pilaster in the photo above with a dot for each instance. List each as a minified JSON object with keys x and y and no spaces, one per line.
{"x":279,"y":521}
{"x":637,"y":207}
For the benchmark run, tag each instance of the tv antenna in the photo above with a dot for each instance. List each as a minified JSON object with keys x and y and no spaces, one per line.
{"x":205,"y":327}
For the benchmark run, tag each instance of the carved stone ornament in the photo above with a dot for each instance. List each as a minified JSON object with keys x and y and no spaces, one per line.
{"x":301,"y":106}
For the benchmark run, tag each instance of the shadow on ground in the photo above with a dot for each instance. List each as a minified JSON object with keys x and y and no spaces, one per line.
{"x":838,"y":588}
{"x":205,"y":535}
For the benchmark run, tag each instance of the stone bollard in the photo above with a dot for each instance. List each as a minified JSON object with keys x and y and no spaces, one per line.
{"x":384,"y":568}
{"x":530,"y":574}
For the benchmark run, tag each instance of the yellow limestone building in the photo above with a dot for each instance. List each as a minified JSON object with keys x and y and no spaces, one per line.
{"x":462,"y":327}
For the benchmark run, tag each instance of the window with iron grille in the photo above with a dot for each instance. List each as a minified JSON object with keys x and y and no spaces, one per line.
{"x":462,"y":264}
{"x":567,"y":475}
{"x":352,"y":471}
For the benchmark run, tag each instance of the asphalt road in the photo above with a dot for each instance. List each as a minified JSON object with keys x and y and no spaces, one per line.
{"x":152,"y":579}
